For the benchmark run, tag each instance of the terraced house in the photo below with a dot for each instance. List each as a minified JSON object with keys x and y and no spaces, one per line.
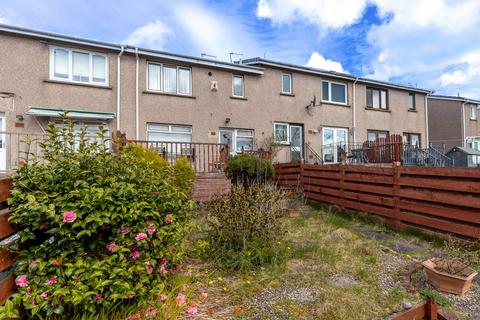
{"x":158,"y":96}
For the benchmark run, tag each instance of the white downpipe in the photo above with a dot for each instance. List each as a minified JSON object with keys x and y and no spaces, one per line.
{"x":118,"y":86}
{"x":354,"y":117}
{"x":426,"y":122}
{"x":464,"y":131}
{"x":136,"y":94}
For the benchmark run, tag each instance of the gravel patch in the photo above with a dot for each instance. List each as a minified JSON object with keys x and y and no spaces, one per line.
{"x":390,"y":265}
{"x":468,"y":304}
{"x":268,"y":303}
{"x":344,"y":280}
{"x":404,"y":247}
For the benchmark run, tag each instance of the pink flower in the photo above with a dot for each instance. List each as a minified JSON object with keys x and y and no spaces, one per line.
{"x":140,"y":236}
{"x":151,"y":230}
{"x":125,"y":230}
{"x":149,"y":267}
{"x":162,"y":297}
{"x":111,"y":247}
{"x":33,"y":263}
{"x":69,"y":216}
{"x":44,"y":295}
{"x":52,"y":280}
{"x":162,"y":270}
{"x":151,"y":312}
{"x":203,"y":296}
{"x":98,"y":297}
{"x":22,"y":281}
{"x":135,"y":253}
{"x":191,"y":310}
{"x":180,"y":299}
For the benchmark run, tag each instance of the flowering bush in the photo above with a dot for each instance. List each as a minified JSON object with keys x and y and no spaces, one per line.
{"x":103,"y":230}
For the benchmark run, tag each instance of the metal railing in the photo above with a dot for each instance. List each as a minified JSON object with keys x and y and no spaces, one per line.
{"x":204,"y":157}
{"x":311,"y":156}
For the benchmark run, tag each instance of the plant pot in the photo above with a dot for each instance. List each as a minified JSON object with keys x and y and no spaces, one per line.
{"x":293,"y":213}
{"x":445,"y":282}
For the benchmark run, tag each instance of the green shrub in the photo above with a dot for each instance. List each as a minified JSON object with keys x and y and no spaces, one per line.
{"x":104,"y":230}
{"x":247,"y":169}
{"x":246,"y":226}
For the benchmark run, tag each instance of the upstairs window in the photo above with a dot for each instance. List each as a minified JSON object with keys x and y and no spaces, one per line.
{"x":334,"y":92}
{"x":377,"y":98}
{"x":411,"y":101}
{"x":169,"y":79}
{"x":78,"y":66}
{"x":287,"y":83}
{"x":473,"y":112}
{"x":237,"y":86}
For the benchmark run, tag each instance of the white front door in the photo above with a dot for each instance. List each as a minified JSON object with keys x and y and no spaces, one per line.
{"x":335,"y":142}
{"x":3,"y":141}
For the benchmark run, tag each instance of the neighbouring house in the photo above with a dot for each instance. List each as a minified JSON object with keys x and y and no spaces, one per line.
{"x":159,"y":96}
{"x":464,"y":157}
{"x":453,"y":122}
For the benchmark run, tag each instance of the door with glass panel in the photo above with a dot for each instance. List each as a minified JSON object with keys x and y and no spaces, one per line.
{"x":238,"y":140}
{"x":3,"y":146}
{"x":296,"y":142}
{"x":335,"y":144}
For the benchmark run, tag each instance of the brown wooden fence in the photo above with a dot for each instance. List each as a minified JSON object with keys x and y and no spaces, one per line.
{"x":7,"y":236}
{"x":434,"y":199}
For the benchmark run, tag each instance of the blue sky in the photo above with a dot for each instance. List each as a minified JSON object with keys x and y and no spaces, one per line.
{"x":433,"y":44}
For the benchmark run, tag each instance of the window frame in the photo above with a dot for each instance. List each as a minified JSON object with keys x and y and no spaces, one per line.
{"x":170,"y":131}
{"x":283,"y":142}
{"x":330,"y":82}
{"x":243,"y":85}
{"x":377,"y":132}
{"x":414,"y":106}
{"x":473,"y":115}
{"x":162,"y":78}
{"x":70,"y":52}
{"x":291,"y":82}
{"x":409,"y":138}
{"x":380,"y":90}
{"x":235,"y":135}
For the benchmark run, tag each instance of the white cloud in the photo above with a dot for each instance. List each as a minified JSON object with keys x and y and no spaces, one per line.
{"x":318,"y":61}
{"x":214,"y":33}
{"x":152,"y":35}
{"x":325,"y":14}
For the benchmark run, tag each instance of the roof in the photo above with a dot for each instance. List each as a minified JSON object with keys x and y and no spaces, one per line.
{"x":454,"y":98}
{"x":333,"y":74}
{"x":465,"y":150}
{"x":128,"y":48}
{"x":77,"y":114}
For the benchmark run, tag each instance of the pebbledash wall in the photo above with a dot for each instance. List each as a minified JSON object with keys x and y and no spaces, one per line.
{"x":26,"y":82}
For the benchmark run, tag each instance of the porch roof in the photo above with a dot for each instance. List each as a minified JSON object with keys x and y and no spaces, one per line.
{"x":77,"y":114}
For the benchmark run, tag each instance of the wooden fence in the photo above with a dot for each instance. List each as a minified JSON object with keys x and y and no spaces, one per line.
{"x":445,"y":200}
{"x":7,"y":236}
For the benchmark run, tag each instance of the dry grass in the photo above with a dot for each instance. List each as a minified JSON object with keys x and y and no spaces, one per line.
{"x":332,"y":273}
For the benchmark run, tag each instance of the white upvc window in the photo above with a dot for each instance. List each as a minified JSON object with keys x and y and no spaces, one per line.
{"x":78,"y":66}
{"x":238,"y":89}
{"x":334,"y":92}
{"x":169,"y":78}
{"x":281,"y":133}
{"x":169,"y":132}
{"x":93,"y":130}
{"x":473,"y":112}
{"x":287,"y":83}
{"x":237,"y":139}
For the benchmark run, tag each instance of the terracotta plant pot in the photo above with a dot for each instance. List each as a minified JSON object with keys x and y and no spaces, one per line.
{"x":445,"y":282}
{"x":293,"y":213}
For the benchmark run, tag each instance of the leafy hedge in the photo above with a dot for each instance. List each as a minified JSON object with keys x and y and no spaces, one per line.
{"x":248,"y":169}
{"x":103,"y":230}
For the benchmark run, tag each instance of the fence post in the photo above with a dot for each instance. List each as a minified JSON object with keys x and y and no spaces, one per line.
{"x":342,"y":190}
{"x":396,"y":198}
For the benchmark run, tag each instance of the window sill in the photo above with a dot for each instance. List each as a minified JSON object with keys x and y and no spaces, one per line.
{"x":473,"y":119}
{"x":380,"y":110}
{"x":338,"y":104}
{"x":89,"y":85}
{"x":287,"y":94}
{"x":412,"y":110}
{"x":169,"y":94}
{"x":238,"y":98}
